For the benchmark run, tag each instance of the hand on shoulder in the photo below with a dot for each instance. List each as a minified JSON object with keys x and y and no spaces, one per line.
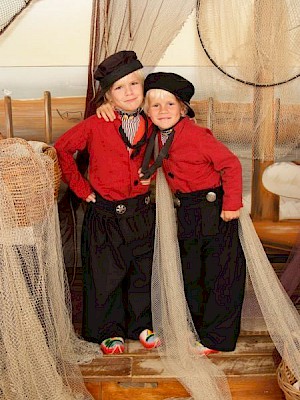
{"x":106,"y":112}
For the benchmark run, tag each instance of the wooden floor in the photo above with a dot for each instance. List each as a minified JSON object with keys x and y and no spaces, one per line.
{"x":247,"y":388}
{"x":138,"y":374}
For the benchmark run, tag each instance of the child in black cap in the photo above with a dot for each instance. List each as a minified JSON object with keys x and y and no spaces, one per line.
{"x":118,"y":227}
{"x":206,"y":179}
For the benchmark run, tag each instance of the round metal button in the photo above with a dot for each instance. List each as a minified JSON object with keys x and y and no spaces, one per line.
{"x":147,"y":200}
{"x":176,"y":202}
{"x":211,"y":197}
{"x":120,"y":209}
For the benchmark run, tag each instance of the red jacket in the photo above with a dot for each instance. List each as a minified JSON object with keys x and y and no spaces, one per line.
{"x":112,"y":173}
{"x":197,"y":160}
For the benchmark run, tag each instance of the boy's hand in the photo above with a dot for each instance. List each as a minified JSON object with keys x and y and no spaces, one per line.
{"x":91,"y":198}
{"x":230,"y":215}
{"x":106,"y":112}
{"x":145,"y":181}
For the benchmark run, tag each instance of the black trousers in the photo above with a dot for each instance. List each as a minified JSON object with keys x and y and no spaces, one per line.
{"x":214,"y":268}
{"x":117,"y":252}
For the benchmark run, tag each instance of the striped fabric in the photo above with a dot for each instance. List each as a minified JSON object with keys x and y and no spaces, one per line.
{"x":130,"y":123}
{"x":165,"y":134}
{"x":130,"y":126}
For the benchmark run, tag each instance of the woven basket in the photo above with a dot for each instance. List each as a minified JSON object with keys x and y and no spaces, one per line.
{"x":51,"y":152}
{"x":286,"y":380}
{"x":28,"y":190}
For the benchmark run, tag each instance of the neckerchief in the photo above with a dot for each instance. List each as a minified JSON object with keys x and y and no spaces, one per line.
{"x":149,"y":171}
{"x":136,"y":147}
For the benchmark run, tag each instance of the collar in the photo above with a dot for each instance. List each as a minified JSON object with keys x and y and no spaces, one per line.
{"x":167,"y":132}
{"x":126,"y":115}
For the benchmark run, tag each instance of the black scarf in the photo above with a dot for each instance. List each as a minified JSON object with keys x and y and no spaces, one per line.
{"x":149,"y":171}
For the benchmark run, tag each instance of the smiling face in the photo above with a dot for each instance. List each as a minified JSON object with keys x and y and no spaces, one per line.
{"x":127,"y":93}
{"x":163,"y":108}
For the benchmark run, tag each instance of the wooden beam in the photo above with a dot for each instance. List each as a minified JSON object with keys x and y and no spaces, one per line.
{"x":210,"y":115}
{"x":48,"y":117}
{"x":264,"y":205}
{"x":281,"y":235}
{"x":8,"y":117}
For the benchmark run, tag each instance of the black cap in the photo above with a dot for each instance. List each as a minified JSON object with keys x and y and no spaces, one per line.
{"x":114,"y":68}
{"x":173,"y":83}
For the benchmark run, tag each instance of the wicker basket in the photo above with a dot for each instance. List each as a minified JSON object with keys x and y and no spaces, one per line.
{"x":25,"y":183}
{"x":286,"y":380}
{"x":51,"y":152}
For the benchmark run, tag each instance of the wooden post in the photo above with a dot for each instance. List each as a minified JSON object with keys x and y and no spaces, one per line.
{"x":48,"y":117}
{"x":277,"y":118}
{"x":8,"y":117}
{"x":210,"y":116}
{"x":264,"y":205}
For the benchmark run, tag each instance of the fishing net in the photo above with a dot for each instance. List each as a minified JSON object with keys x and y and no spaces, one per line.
{"x":267,"y":305}
{"x":252,"y":48}
{"x":171,"y":317}
{"x":39,"y":350}
{"x":251,"y":102}
{"x":9,"y":10}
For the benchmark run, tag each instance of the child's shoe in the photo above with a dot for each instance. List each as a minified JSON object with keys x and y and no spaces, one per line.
{"x":114,"y":345}
{"x":149,"y":339}
{"x":202,"y":350}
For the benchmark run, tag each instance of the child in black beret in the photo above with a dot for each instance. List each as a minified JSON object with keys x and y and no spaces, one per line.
{"x":206,"y":180}
{"x":118,"y":227}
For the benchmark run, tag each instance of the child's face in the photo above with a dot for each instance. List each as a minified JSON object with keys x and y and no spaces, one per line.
{"x":164,"y":109}
{"x":127,"y":93}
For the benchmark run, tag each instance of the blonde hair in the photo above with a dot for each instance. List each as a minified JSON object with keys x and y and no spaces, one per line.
{"x":154,"y":94}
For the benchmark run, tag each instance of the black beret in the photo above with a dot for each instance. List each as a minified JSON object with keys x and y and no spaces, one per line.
{"x":173,"y":83}
{"x":114,"y":68}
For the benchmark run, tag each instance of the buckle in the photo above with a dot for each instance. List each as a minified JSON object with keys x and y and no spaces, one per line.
{"x":211,"y":197}
{"x":121,"y":209}
{"x":147,"y":200}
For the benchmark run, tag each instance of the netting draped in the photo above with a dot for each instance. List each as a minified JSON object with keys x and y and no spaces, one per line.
{"x":9,"y":10}
{"x":39,"y":350}
{"x":253,"y":74}
{"x":267,"y":305}
{"x":171,"y":317}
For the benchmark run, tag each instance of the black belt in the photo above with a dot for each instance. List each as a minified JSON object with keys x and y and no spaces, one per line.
{"x":192,"y":198}
{"x":126,"y":206}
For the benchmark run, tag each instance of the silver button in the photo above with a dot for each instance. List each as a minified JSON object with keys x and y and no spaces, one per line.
{"x":211,"y":196}
{"x":147,"y":200}
{"x":176,"y":202}
{"x":120,"y":209}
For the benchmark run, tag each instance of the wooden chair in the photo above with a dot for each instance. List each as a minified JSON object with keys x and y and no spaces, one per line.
{"x":43,"y":119}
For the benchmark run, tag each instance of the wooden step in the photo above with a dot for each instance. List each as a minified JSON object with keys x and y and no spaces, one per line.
{"x":242,"y":388}
{"x":139,"y":374}
{"x":254,"y":355}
